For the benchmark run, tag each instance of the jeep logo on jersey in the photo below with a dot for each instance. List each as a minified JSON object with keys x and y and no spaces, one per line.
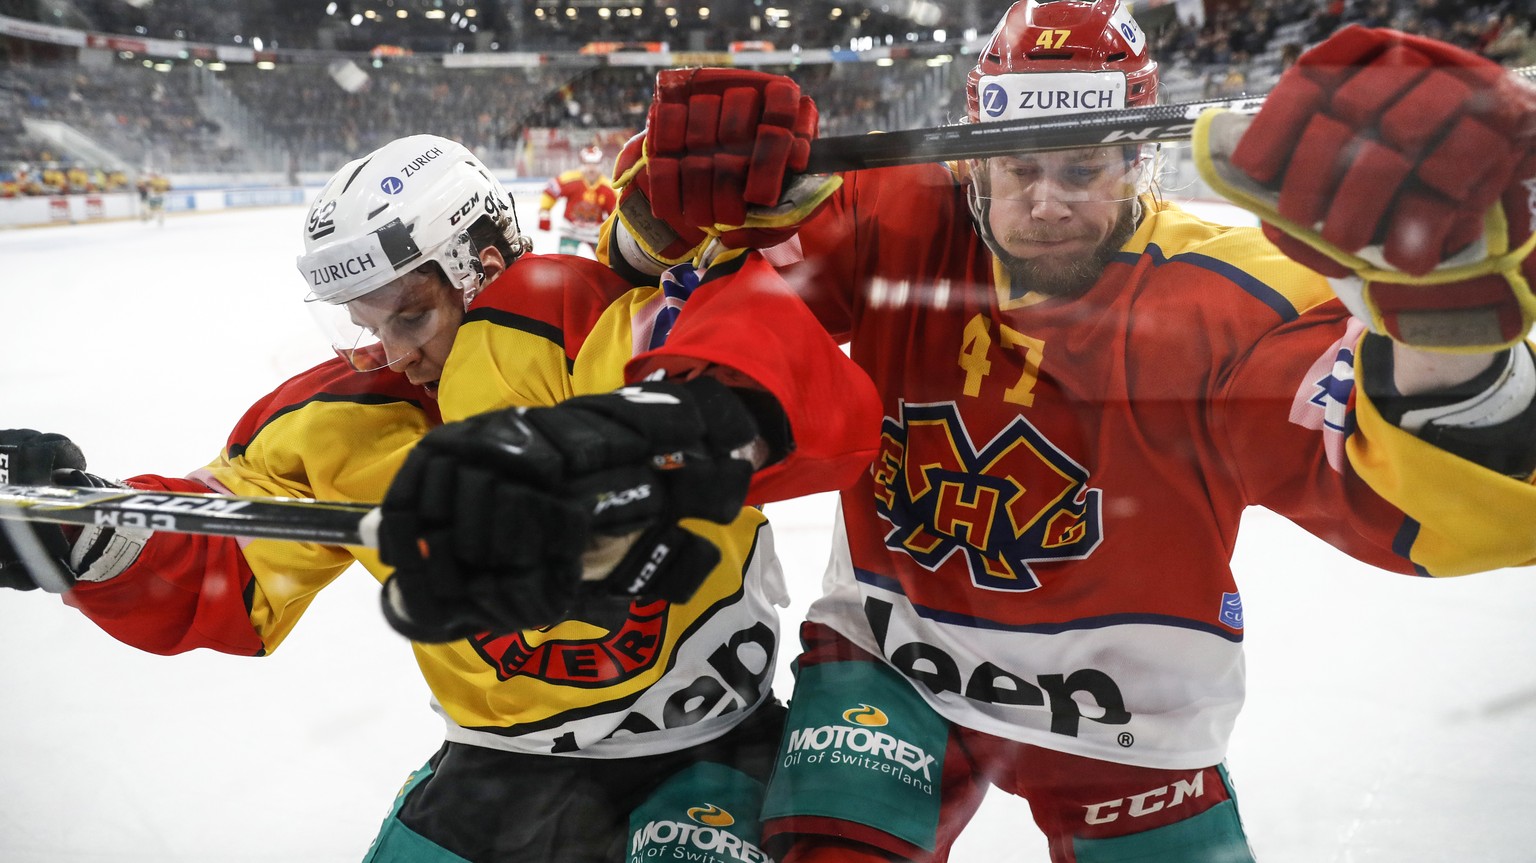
{"x":586,"y":662}
{"x":1018,"y":499}
{"x":733,"y":678}
{"x":1063,"y":695}
{"x":1035,"y":95}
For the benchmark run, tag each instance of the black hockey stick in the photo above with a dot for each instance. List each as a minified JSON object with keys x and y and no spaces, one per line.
{"x":292,"y":519}
{"x":1155,"y":124}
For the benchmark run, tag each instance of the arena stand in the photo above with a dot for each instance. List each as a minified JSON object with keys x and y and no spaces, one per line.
{"x":182,"y":88}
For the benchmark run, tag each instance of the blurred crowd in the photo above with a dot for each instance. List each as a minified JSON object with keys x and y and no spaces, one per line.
{"x":161,"y":115}
{"x":49,"y":176}
{"x":693,"y":25}
{"x":1242,"y":48}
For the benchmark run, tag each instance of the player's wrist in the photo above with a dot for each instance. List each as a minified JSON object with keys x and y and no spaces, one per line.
{"x":1489,"y":419}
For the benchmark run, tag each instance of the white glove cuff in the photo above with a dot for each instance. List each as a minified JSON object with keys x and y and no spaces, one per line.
{"x":101,"y":553}
{"x":632,"y":252}
{"x":1505,"y":399}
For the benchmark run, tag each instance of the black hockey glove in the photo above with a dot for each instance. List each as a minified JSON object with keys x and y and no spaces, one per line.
{"x":489,"y":520}
{"x":29,"y":457}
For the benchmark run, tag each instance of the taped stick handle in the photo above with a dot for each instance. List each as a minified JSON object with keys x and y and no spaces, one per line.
{"x":1154,"y":124}
{"x":290,"y":519}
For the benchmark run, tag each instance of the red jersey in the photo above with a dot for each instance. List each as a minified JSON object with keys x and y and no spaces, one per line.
{"x":586,"y":205}
{"x":1044,"y":540}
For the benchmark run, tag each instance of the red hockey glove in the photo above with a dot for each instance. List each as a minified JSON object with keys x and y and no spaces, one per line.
{"x":1405,"y":170}
{"x":544,"y":223}
{"x":719,"y":158}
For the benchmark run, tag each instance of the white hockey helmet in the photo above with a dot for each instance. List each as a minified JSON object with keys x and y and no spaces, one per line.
{"x":591,"y":155}
{"x":410,"y":202}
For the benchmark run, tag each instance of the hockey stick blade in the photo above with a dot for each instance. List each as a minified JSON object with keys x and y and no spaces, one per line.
{"x":1155,"y":124}
{"x":290,"y":519}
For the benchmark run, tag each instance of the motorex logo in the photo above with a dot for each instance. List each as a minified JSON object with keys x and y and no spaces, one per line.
{"x":866,"y":715}
{"x":859,"y":744}
{"x":705,"y":840}
{"x":711,"y":815}
{"x":994,"y":100}
{"x":392,"y":185}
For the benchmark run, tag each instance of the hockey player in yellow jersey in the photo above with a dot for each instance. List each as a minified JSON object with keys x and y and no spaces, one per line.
{"x":588,"y":712}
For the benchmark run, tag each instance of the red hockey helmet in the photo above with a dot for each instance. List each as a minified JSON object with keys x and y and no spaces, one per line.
{"x":1061,"y":57}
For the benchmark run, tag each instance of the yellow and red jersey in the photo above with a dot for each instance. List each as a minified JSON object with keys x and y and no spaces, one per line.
{"x":586,"y":204}
{"x":1045,"y":538}
{"x":550,"y":327}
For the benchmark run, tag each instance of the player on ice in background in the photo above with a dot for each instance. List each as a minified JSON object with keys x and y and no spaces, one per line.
{"x":1084,"y":387}
{"x":595,"y":701}
{"x":152,"y":190}
{"x":589,"y":199}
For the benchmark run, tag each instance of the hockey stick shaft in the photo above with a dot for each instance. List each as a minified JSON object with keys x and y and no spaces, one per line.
{"x":290,"y":519}
{"x":1155,"y":124}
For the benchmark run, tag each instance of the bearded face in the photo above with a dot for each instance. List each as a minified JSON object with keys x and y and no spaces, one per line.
{"x":1057,"y":218}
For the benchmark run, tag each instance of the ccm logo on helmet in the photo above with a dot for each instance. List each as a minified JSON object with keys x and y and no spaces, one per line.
{"x":469,"y":205}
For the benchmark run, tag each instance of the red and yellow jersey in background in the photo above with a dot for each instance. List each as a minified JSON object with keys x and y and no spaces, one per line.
{"x":1045,"y":539}
{"x":667,"y":676}
{"x":586,"y":204}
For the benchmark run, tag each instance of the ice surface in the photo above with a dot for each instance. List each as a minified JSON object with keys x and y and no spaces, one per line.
{"x":1389,"y":718}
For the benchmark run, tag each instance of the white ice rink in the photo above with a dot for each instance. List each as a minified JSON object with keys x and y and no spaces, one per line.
{"x":1391,"y":719}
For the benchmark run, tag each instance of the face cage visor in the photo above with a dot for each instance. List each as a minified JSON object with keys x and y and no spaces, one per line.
{"x":1082,"y":176}
{"x":384,"y":326}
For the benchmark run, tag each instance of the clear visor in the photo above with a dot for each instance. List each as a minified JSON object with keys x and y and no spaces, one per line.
{"x":384,"y":326}
{"x":1097,"y":175}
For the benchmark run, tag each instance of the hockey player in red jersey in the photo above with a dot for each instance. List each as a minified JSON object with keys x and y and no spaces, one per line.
{"x":1084,"y":387}
{"x":591,"y":697}
{"x":589,"y":199}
